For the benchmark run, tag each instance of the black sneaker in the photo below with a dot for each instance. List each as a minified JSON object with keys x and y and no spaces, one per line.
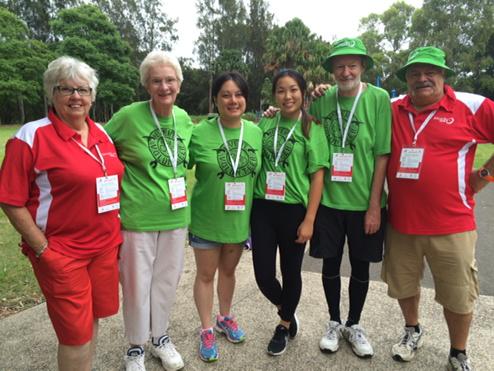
{"x":277,"y":345}
{"x":293,"y":329}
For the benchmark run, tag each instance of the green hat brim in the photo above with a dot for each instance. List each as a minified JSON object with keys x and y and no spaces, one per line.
{"x":401,"y":73}
{"x":327,"y":64}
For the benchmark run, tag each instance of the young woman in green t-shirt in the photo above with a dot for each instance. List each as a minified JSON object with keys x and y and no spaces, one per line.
{"x":226,"y":151}
{"x":286,"y":199}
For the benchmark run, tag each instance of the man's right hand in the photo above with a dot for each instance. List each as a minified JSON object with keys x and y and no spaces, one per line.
{"x":270,"y":112}
{"x":320,"y":90}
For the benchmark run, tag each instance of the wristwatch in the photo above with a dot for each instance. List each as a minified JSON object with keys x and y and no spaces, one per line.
{"x":486,"y":174}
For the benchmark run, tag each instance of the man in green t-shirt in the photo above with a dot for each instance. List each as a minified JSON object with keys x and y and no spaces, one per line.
{"x":357,"y":120}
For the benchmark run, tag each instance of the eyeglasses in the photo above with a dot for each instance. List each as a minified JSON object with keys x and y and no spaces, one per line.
{"x":67,"y":91}
{"x":168,"y":81}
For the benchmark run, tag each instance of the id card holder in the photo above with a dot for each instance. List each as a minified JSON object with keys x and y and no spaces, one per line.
{"x":341,"y":169}
{"x":235,"y":196}
{"x":178,"y":195}
{"x":275,"y":186}
{"x":107,"y":194}
{"x":410,"y":163}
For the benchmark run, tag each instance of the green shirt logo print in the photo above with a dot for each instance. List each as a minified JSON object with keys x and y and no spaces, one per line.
{"x":247,"y":163}
{"x":158,"y":149}
{"x":333,"y":131}
{"x":268,"y":145}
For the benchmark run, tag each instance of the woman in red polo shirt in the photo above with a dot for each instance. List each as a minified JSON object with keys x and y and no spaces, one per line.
{"x":59,"y":186}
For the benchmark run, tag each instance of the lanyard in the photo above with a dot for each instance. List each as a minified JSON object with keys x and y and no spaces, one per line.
{"x":239,"y":147}
{"x":173,"y":156}
{"x":422,"y":127}
{"x":350,"y":116}
{"x":100,"y":161}
{"x":277,"y":155}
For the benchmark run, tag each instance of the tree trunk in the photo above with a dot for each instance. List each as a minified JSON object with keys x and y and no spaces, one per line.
{"x":20,"y":100}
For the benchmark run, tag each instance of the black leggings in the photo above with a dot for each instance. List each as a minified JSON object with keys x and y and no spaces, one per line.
{"x":357,"y":290}
{"x":274,"y":225}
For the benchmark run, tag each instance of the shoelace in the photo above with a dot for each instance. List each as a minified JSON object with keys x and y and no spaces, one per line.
{"x":407,"y":339}
{"x":463,"y":361}
{"x":230,"y":323}
{"x":207,"y":339}
{"x":358,"y":335}
{"x":331,"y":333}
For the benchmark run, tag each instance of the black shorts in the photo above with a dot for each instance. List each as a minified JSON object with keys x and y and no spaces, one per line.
{"x":333,"y":226}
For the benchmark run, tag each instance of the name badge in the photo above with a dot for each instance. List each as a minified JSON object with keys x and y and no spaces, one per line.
{"x":235,"y":196}
{"x":275,"y":186}
{"x":107,"y":194}
{"x":410,"y":163}
{"x":341,"y":169}
{"x":178,"y":196}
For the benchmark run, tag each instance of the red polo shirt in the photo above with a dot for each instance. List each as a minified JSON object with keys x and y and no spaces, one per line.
{"x":441,"y":200}
{"x":47,"y":172}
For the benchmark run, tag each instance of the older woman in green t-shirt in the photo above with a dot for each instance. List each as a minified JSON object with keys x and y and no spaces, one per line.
{"x":152,"y":139}
{"x":226,"y":151}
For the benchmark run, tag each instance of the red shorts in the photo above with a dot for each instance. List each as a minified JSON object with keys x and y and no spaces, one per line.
{"x":77,"y":291}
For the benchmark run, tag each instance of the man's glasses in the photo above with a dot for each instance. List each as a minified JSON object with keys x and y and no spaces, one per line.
{"x":67,"y":91}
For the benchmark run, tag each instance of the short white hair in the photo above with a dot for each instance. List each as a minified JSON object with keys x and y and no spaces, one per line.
{"x":68,"y":68}
{"x":157,"y":58}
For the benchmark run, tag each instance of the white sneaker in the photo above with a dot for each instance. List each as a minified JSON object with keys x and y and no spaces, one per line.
{"x":355,"y":335}
{"x":330,"y":341}
{"x":134,"y":359}
{"x":459,"y":363}
{"x":410,"y":341}
{"x":170,"y":358}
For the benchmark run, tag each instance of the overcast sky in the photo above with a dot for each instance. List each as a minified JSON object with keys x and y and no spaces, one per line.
{"x":333,"y":20}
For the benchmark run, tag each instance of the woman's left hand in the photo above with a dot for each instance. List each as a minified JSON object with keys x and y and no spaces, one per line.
{"x":304,"y":232}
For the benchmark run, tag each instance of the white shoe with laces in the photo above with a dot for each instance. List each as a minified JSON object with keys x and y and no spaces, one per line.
{"x":331,"y":339}
{"x":355,"y":335}
{"x":459,"y":363}
{"x":410,"y":341}
{"x":134,"y":359}
{"x":165,"y":350}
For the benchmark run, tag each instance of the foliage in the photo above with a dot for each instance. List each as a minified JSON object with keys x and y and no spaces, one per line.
{"x":295,"y":46}
{"x":85,"y":32}
{"x":22,"y":62}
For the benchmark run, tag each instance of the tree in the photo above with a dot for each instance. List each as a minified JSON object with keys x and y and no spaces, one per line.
{"x":38,"y":14}
{"x":193,"y":95}
{"x":295,"y":46}
{"x":22,"y":62}
{"x":463,"y":29}
{"x":259,"y":25}
{"x":221,"y":44}
{"x":387,"y":37}
{"x":86,"y":33}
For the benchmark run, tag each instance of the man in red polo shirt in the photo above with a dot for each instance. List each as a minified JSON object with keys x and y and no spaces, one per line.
{"x":435,"y":132}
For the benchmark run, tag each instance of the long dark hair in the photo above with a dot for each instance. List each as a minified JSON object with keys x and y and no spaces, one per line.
{"x":302,"y":85}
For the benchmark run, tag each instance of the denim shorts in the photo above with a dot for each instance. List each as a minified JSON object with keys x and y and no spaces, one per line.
{"x":200,"y":243}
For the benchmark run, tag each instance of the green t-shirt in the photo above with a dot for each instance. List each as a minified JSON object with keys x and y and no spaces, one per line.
{"x":369,"y":136}
{"x":214,"y":168}
{"x":300,"y":157}
{"x":145,"y":198}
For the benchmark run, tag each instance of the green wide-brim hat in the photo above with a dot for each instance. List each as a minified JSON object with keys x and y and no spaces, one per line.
{"x":425,"y":55}
{"x":347,"y":46}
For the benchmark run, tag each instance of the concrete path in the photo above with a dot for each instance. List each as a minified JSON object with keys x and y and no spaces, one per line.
{"x":28,"y":341}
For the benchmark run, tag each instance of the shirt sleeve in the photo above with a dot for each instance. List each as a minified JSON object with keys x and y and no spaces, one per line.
{"x":17,"y":173}
{"x":383,"y":126}
{"x":317,"y":151}
{"x":484,"y":122}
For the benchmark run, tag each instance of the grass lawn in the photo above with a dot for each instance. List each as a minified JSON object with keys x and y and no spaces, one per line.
{"x":18,"y":287}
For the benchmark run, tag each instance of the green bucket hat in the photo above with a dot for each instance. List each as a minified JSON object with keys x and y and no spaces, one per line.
{"x":347,"y":46}
{"x":427,"y":55}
